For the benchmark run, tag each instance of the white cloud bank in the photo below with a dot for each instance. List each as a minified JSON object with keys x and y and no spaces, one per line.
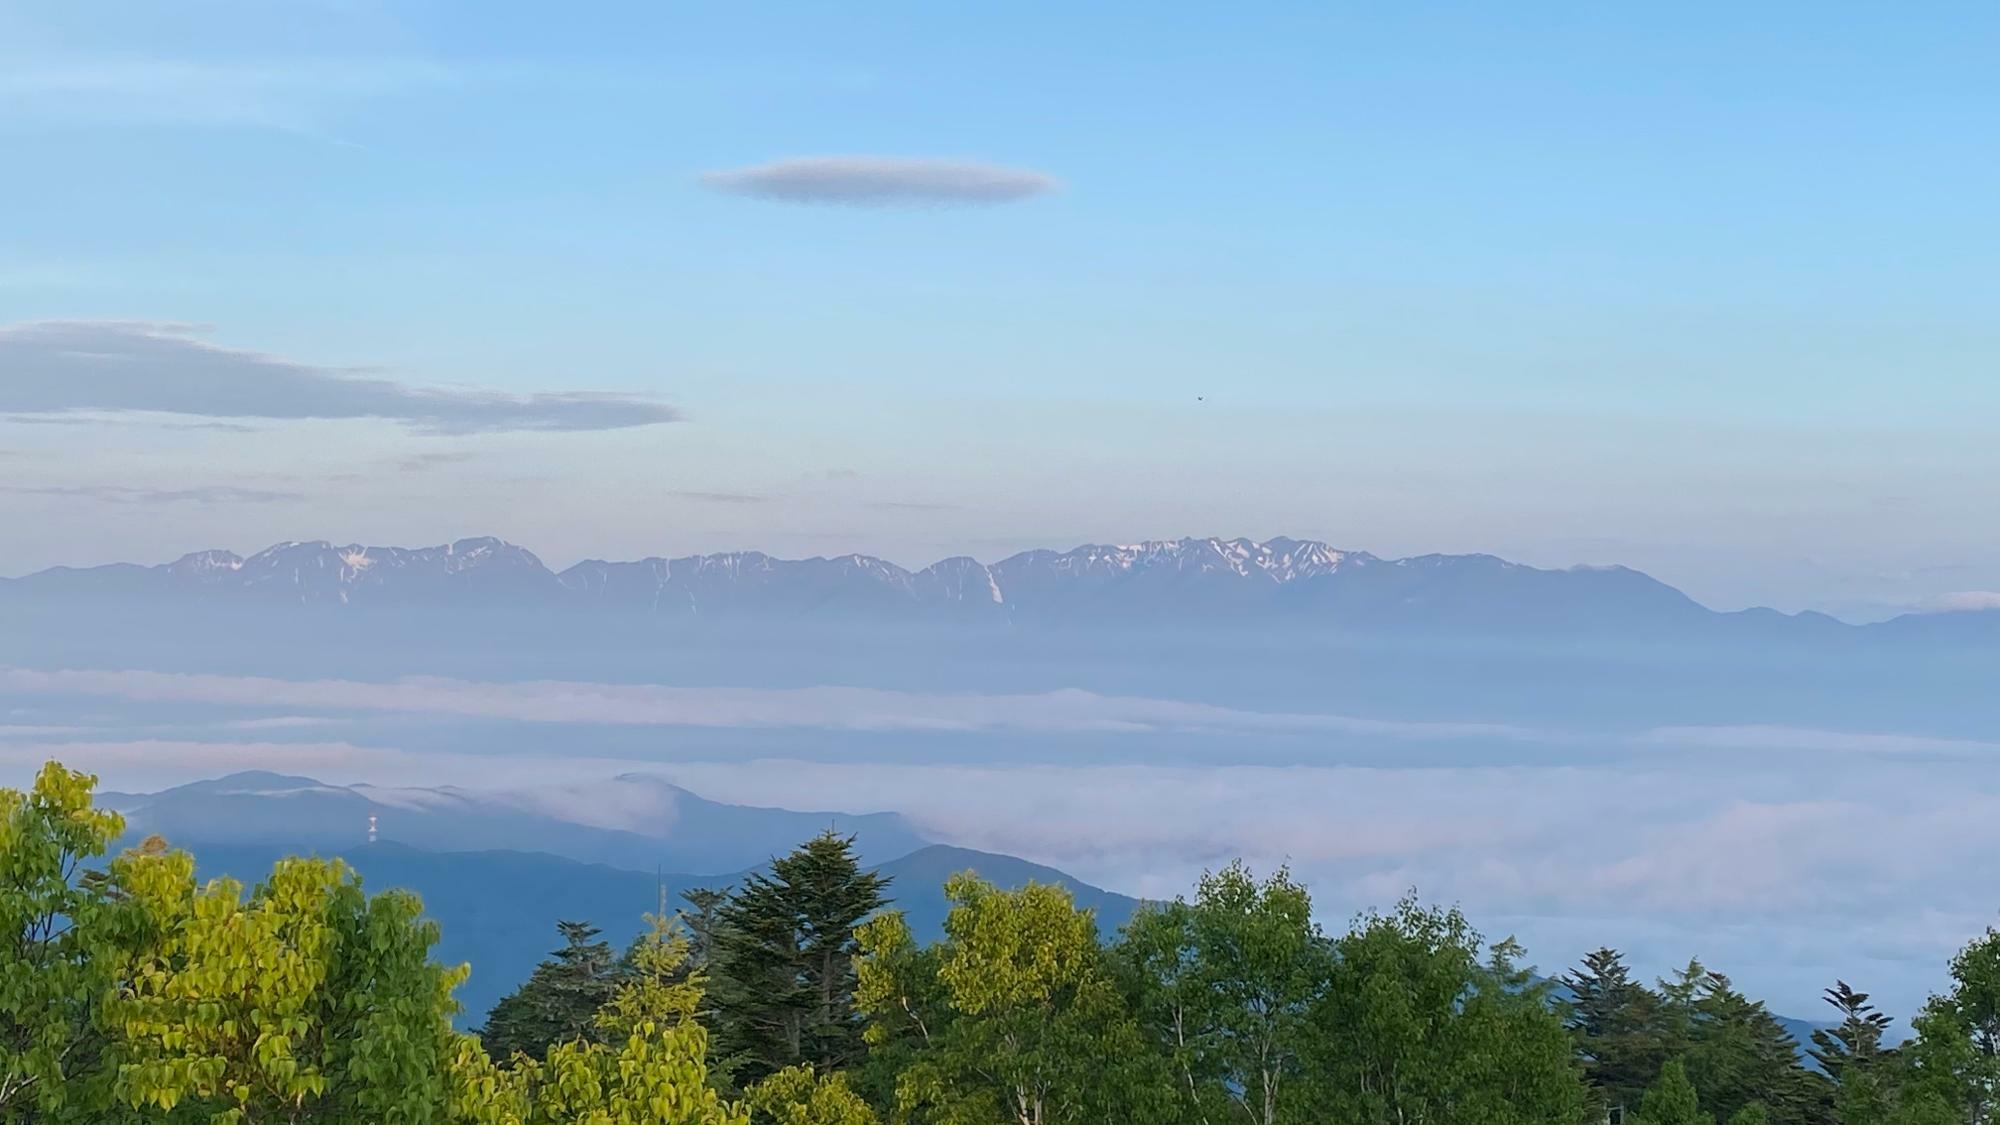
{"x":1785,"y":856}
{"x":1783,"y":880}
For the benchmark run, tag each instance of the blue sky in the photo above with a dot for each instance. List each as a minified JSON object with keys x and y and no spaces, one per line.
{"x":1706,"y":289}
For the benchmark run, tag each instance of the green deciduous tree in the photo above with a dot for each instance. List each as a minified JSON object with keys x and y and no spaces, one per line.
{"x":1415,"y":1029}
{"x":798,"y":1096}
{"x":1951,"y":1070}
{"x":1933,"y":1068}
{"x":1013,"y":1018}
{"x":54,"y":972}
{"x":906,"y":1007}
{"x":305,"y":1000}
{"x":1225,"y":987}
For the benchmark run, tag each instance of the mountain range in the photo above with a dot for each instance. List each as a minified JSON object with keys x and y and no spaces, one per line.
{"x":1190,"y":580}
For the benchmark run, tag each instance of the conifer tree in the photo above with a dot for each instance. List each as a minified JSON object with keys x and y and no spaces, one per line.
{"x":1672,"y":1100}
{"x":781,"y":962}
{"x":1853,"y":1058}
{"x":1734,"y":1052}
{"x":698,"y":919}
{"x":1616,"y":1022}
{"x":559,"y":1000}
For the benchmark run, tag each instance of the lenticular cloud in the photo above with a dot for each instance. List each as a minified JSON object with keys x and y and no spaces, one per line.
{"x":882,"y":181}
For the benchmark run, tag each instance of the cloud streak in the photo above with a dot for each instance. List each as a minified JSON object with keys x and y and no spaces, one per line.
{"x":1759,"y":737}
{"x":424,"y":462}
{"x":841,"y":708}
{"x":882,"y":181}
{"x":286,"y":94}
{"x":719,"y":497}
{"x":63,"y":369}
{"x":127,"y":494}
{"x":1964,"y":601}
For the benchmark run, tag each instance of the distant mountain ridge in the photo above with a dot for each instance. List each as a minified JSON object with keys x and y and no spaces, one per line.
{"x":634,"y":821}
{"x":1190,"y":579}
{"x":498,"y":908}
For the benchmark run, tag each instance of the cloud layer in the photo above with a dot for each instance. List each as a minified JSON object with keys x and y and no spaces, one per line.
{"x":882,"y":181}
{"x":61,"y":368}
{"x":1783,"y":881}
{"x":1765,"y":850}
{"x":837,"y":708}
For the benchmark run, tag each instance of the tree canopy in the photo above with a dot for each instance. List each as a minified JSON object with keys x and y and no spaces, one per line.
{"x":132,"y":992}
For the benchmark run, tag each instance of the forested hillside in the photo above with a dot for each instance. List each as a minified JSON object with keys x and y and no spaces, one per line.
{"x":495,"y":907}
{"x":801,"y":996}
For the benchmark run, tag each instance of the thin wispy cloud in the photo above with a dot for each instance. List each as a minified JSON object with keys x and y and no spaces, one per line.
{"x":291,"y":94}
{"x":65,"y":369}
{"x":882,"y":181}
{"x":424,"y":462}
{"x":61,"y":420}
{"x":1963,"y":601}
{"x":213,"y":427}
{"x":1757,"y":737}
{"x":131,"y":494}
{"x":304,"y":93}
{"x":719,"y":497}
{"x":148,"y":422}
